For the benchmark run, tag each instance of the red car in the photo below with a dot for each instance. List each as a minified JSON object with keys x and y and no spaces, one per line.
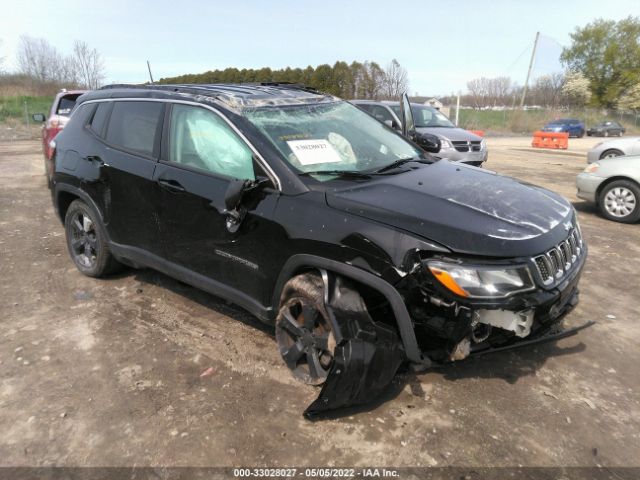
{"x":58,"y":117}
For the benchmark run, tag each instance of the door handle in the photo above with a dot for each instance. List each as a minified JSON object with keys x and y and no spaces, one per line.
{"x":171,"y":185}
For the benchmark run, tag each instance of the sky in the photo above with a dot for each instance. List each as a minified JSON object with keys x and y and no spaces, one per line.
{"x":442,"y":44}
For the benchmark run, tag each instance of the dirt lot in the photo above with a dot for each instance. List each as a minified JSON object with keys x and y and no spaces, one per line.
{"x":108,"y":372}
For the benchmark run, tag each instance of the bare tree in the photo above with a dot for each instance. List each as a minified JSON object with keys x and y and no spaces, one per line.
{"x":548,"y":90}
{"x":41,"y":61}
{"x":396,"y":81}
{"x":88,"y":65}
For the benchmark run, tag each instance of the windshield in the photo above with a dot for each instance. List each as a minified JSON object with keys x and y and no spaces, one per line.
{"x":430,"y":117}
{"x":330,"y":137}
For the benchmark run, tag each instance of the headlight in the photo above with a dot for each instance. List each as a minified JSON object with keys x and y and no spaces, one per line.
{"x":483,"y":144}
{"x":482,"y":281}
{"x":592,"y":167}
{"x":444,"y":143}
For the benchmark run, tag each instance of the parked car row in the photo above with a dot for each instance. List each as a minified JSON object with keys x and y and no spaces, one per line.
{"x":577,"y":128}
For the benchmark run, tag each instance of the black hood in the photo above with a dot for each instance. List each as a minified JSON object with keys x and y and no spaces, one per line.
{"x":466,"y":209}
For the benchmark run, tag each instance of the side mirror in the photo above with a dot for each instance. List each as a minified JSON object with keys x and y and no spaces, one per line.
{"x":429,"y":142}
{"x":234,"y":208}
{"x":233,"y":195}
{"x":38,"y":117}
{"x":392,"y":124}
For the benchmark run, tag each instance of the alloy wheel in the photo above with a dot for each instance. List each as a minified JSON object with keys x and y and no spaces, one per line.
{"x":84,"y":244}
{"x":620,"y":202}
{"x":305,"y":341}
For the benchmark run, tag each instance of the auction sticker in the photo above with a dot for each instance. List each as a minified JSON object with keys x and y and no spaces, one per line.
{"x":312,"y":152}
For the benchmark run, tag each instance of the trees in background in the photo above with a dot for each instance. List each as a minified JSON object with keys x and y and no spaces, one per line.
{"x":489,"y":92}
{"x":356,"y":80}
{"x":576,"y":89}
{"x":607,"y":53}
{"x":43,"y":63}
{"x":396,"y":80}
{"x":88,"y":65}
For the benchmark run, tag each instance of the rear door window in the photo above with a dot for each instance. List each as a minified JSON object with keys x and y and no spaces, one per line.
{"x":100,"y":118}
{"x":66,"y":104}
{"x":135,"y":126}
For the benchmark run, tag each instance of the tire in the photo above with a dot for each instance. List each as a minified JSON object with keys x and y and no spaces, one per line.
{"x":87,"y":241}
{"x":620,"y":201}
{"x":581,"y":134}
{"x":611,"y":153}
{"x":303,"y":330}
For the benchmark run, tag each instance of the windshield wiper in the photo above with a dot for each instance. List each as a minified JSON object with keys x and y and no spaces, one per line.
{"x":342,"y":173}
{"x":401,"y":162}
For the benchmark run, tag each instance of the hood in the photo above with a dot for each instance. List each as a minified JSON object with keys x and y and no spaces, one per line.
{"x":469,"y":210}
{"x":453,"y":134}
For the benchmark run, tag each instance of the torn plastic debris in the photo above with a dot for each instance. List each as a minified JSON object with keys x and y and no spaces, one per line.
{"x":367,"y":353}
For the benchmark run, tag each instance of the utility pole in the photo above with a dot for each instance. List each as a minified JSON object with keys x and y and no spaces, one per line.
{"x":151,"y":76}
{"x":458,"y":108}
{"x":526,"y":82}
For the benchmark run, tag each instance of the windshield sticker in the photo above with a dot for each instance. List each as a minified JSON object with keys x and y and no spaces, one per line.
{"x":312,"y":152}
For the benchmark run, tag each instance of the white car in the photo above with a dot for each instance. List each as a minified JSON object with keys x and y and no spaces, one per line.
{"x":613,"y":184}
{"x":614,"y":148}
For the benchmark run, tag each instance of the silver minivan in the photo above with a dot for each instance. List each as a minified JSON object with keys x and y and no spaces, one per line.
{"x":456,"y":144}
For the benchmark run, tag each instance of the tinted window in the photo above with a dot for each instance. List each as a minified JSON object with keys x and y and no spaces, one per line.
{"x":198,"y":138}
{"x":134,"y":125}
{"x":66,"y":104}
{"x":100,"y":118}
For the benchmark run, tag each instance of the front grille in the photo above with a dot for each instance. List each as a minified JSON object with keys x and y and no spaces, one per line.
{"x":558,"y":261}
{"x":467,"y":146}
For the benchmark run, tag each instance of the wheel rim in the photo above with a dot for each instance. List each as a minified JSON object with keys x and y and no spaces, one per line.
{"x":620,"y":202}
{"x":305,"y":341}
{"x":611,"y":155}
{"x":84,"y":244}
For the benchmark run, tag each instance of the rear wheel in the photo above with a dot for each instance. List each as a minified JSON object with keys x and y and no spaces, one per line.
{"x":87,"y":241}
{"x":303,"y":330}
{"x":620,"y":201}
{"x":611,"y":154}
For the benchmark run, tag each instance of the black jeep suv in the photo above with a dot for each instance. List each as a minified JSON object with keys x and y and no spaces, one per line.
{"x":363,"y":250}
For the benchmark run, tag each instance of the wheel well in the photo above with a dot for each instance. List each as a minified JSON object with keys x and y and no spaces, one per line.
{"x":64,"y":200}
{"x":377,"y":303}
{"x":611,"y":150}
{"x":610,"y":180}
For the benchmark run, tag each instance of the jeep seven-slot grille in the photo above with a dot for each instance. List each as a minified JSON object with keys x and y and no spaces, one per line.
{"x":555,"y":263}
{"x":467,"y":146}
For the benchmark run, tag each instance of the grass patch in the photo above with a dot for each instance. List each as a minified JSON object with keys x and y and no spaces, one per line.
{"x":528,"y":121}
{"x":14,"y":107}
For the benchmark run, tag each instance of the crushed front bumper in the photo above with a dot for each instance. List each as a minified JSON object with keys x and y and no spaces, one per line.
{"x":368,"y":353}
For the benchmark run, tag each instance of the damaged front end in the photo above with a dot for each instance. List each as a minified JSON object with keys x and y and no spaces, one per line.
{"x":456,"y":308}
{"x":461,"y":307}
